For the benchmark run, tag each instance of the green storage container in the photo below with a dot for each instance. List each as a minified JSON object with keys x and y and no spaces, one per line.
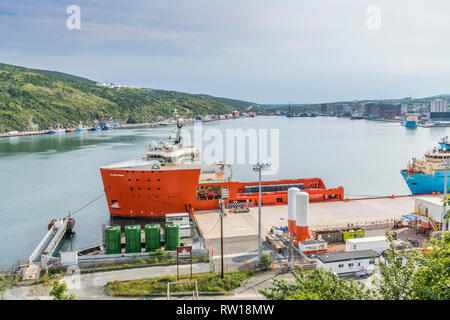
{"x":112,"y":240}
{"x":152,"y":237}
{"x":357,"y":233}
{"x":133,"y":238}
{"x":172,"y":236}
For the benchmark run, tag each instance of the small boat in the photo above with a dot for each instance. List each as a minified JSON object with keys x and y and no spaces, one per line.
{"x":57,"y":130}
{"x":81,"y":128}
{"x":106,"y":127}
{"x":70,"y":130}
{"x":96,"y":128}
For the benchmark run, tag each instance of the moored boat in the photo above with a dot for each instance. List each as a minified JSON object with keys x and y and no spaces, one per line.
{"x":427,"y":175}
{"x":170,"y":179}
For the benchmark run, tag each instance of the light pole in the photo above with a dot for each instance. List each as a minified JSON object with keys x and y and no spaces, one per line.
{"x":221,"y":214}
{"x":259,"y":167}
{"x":446,"y":165}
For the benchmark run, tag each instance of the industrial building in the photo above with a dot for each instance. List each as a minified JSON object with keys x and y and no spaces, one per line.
{"x":348,"y":262}
{"x":378,"y":244}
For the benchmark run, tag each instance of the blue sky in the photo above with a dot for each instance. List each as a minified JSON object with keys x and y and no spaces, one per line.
{"x":264,"y":51}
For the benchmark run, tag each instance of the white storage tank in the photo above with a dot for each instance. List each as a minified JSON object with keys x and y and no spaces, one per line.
{"x":302,"y":212}
{"x":292,"y":209}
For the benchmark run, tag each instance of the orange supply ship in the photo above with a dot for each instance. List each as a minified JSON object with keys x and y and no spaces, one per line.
{"x":169,"y":180}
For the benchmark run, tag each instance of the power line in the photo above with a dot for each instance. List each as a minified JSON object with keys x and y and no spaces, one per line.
{"x":84,"y":206}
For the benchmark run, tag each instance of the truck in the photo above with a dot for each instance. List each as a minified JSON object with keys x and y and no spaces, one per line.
{"x":378,"y":244}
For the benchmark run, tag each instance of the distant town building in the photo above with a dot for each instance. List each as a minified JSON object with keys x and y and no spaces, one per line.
{"x":324,"y":108}
{"x":438,"y":105}
{"x":404,"y":108}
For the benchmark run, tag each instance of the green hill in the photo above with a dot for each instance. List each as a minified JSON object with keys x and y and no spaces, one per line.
{"x":31,"y":99}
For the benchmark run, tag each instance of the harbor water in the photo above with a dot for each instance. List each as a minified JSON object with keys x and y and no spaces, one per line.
{"x":47,"y":176}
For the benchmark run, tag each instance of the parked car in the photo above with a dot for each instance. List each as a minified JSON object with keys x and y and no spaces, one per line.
{"x":362,"y":273}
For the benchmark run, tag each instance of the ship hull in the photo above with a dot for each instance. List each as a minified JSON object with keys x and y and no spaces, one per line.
{"x":155,"y":193}
{"x":420,"y":183}
{"x":410,"y":124}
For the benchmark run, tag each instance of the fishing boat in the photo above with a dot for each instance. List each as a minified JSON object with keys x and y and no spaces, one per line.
{"x":57,"y":130}
{"x":70,"y":130}
{"x":96,"y":128}
{"x":81,"y":128}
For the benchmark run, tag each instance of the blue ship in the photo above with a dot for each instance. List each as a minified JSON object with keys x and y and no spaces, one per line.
{"x":427,"y":175}
{"x":411,"y":120}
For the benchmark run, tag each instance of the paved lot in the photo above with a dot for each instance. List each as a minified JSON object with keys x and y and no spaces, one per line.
{"x":321,"y":215}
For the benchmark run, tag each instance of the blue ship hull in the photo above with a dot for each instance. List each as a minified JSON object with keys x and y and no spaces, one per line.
{"x":420,"y":183}
{"x":410,"y":124}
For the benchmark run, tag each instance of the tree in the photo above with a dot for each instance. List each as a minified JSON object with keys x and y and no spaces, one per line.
{"x":416,"y":275}
{"x":320,"y":284}
{"x":59,"y":291}
{"x":5,"y":284}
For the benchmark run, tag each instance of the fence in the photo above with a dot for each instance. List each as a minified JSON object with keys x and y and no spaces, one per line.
{"x":366,"y":225}
{"x":11,"y":270}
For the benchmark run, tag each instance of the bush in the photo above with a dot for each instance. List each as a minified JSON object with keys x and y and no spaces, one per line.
{"x":266,"y":261}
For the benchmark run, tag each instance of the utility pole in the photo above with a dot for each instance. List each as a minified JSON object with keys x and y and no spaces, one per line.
{"x":446,"y":165}
{"x":290,"y":247}
{"x":259,"y":167}
{"x":222,"y":213}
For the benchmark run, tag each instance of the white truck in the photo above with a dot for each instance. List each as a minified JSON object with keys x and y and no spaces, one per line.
{"x":378,"y":244}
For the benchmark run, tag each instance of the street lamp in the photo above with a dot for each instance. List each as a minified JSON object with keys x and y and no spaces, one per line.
{"x":259,"y":167}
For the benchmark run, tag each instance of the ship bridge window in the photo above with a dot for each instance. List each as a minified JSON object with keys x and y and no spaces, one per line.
{"x":209,"y":192}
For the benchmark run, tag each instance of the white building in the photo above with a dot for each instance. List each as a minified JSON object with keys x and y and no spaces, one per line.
{"x":348,"y":262}
{"x":378,"y":244}
{"x":430,"y":207}
{"x":438,"y":105}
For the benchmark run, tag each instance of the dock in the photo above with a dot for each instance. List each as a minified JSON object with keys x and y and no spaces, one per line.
{"x":42,"y":255}
{"x":322,"y":216}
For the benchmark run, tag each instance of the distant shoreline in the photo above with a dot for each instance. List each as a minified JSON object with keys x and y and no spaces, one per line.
{"x":121,"y":126}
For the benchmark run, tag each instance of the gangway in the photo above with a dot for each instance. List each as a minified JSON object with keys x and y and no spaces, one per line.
{"x":43,"y":253}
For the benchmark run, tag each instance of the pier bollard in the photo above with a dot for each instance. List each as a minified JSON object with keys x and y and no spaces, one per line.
{"x":347,"y":199}
{"x":438,"y":193}
{"x":245,"y":260}
{"x":392,"y":196}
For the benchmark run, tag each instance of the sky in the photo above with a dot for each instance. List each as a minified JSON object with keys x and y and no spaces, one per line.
{"x":264,"y":51}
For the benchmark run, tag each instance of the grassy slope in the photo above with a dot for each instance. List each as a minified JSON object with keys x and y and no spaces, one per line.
{"x":48,"y":98}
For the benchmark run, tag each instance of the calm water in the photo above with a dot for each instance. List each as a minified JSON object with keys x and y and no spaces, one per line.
{"x":42,"y":177}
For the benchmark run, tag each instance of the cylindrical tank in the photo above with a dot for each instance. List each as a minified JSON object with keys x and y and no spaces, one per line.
{"x":302,"y":212}
{"x":133,"y":238}
{"x":172,"y":236}
{"x":113,"y":240}
{"x":291,"y":208}
{"x":152,"y":237}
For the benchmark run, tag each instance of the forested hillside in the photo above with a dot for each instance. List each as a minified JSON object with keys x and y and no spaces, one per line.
{"x":38,"y":99}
